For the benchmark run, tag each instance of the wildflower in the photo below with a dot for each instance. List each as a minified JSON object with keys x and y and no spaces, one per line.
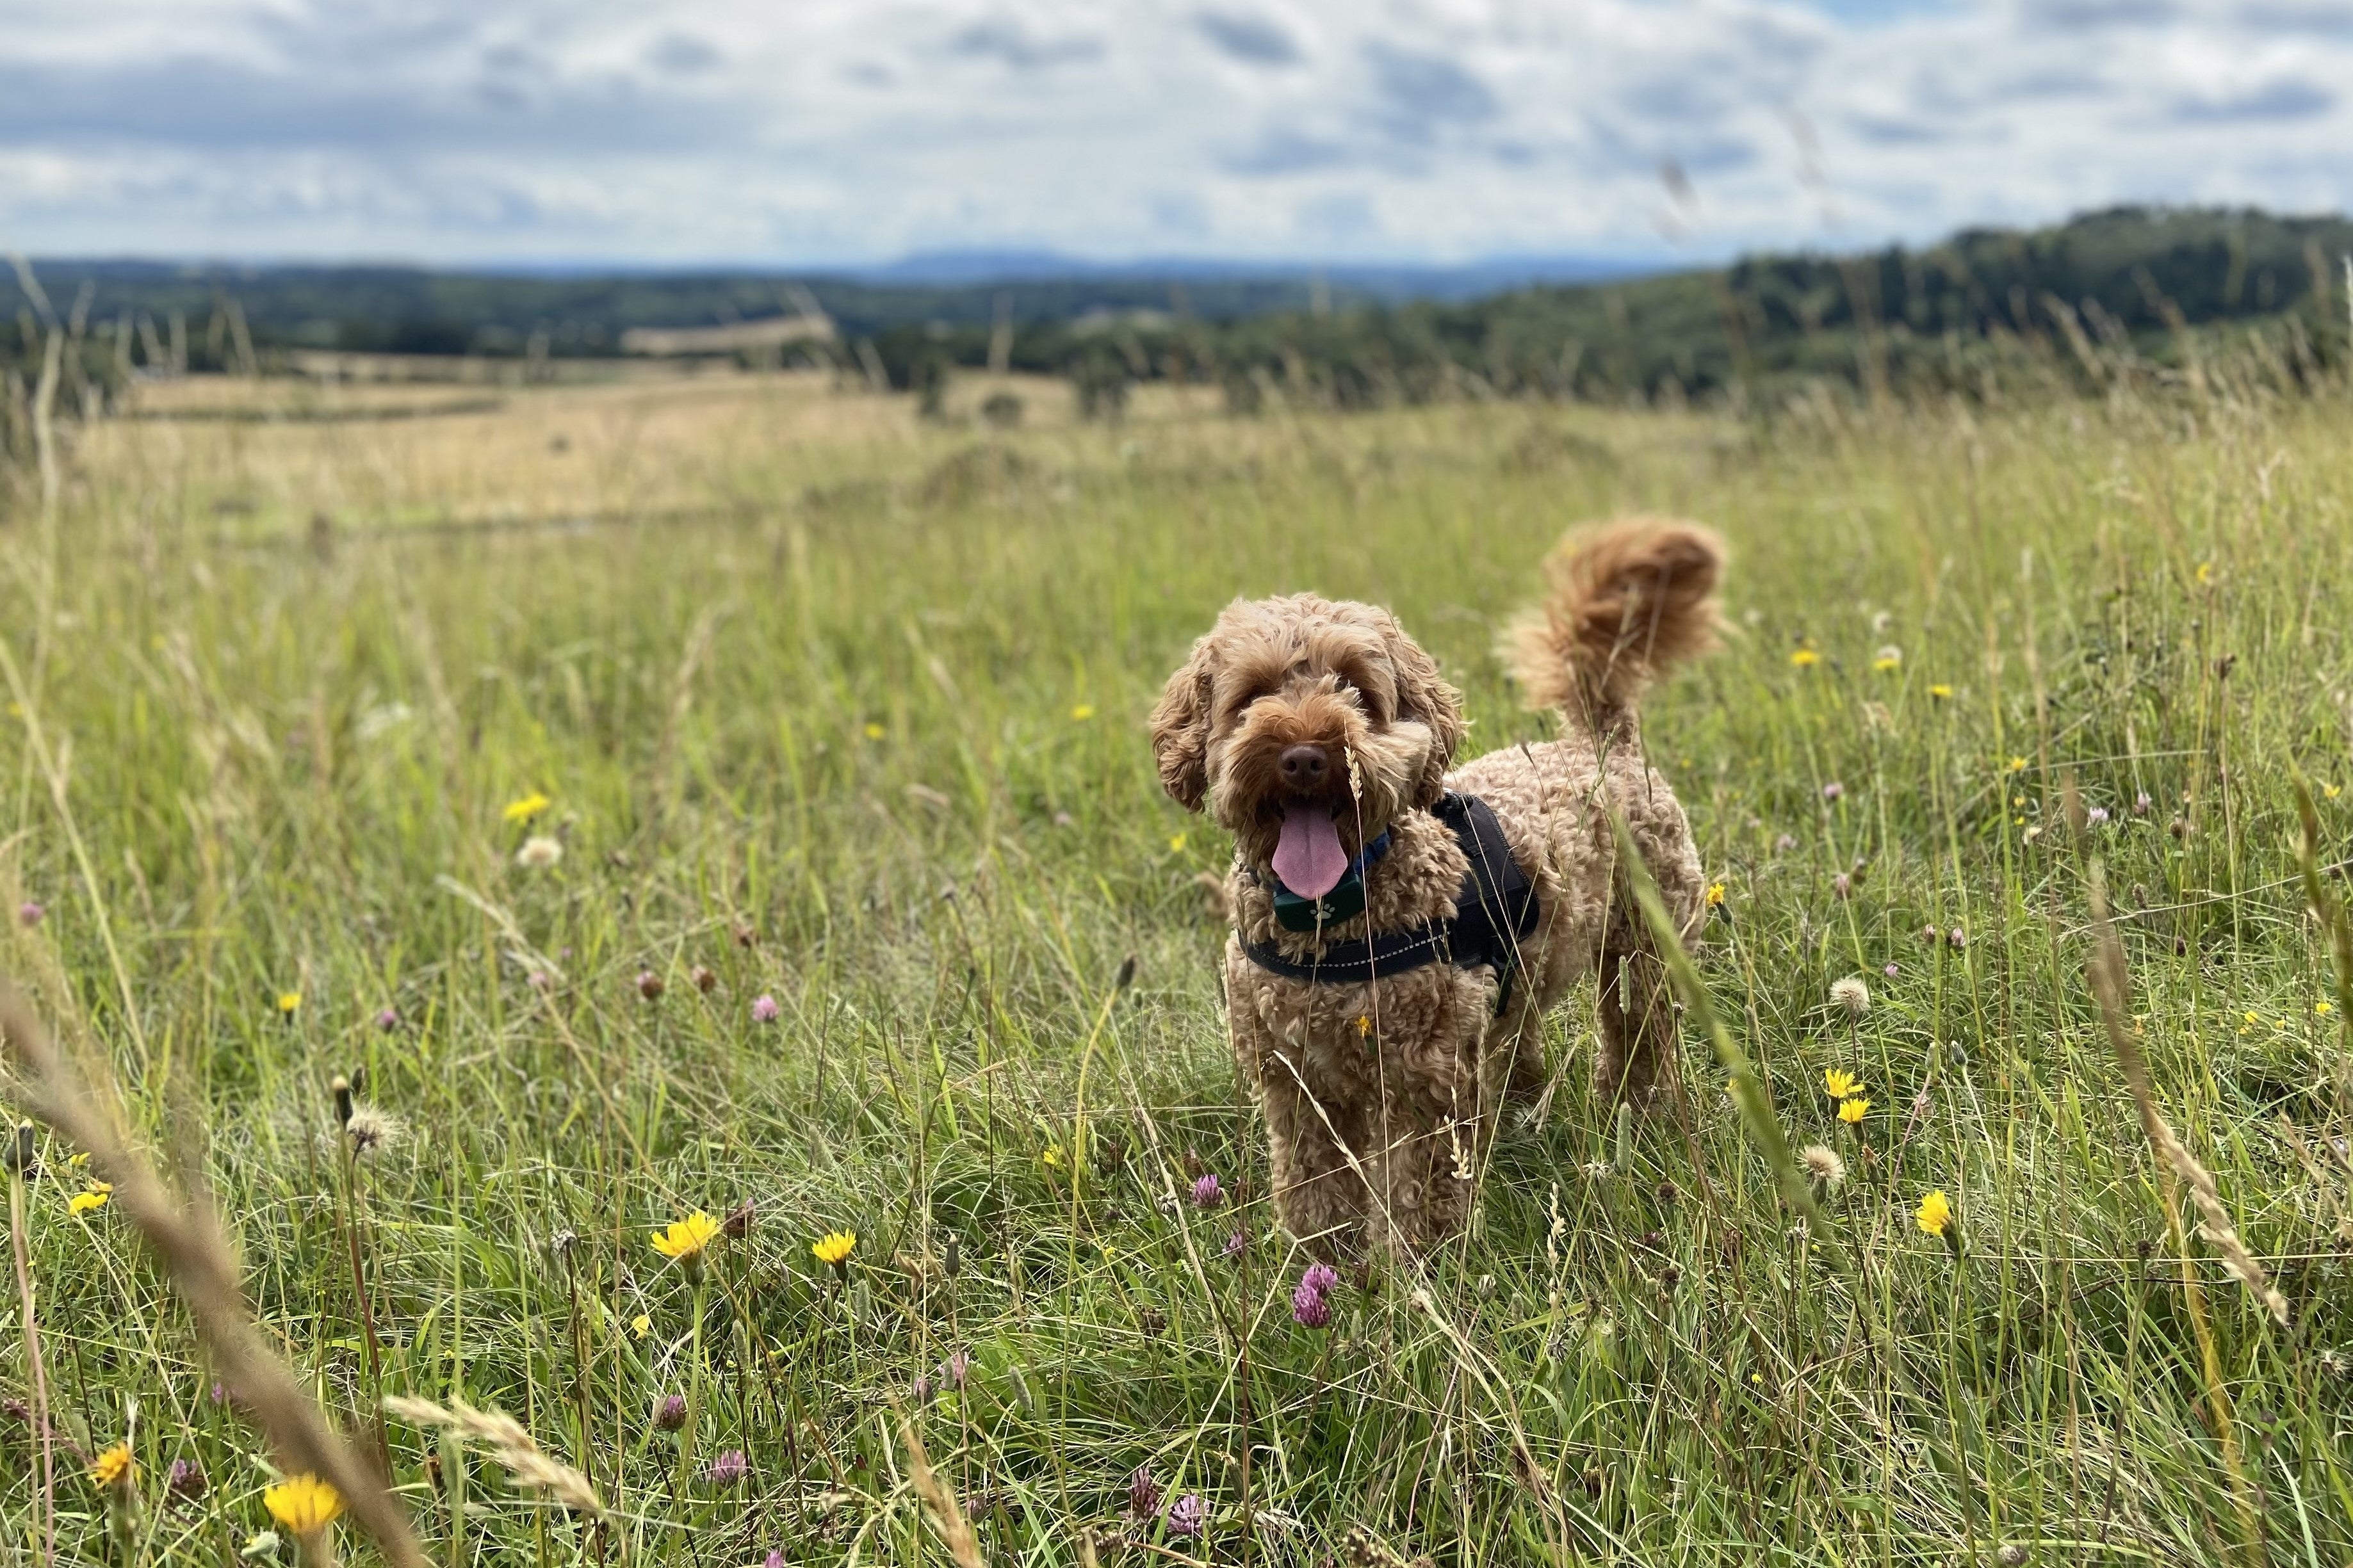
{"x":1853,"y":994}
{"x":669,"y":1413}
{"x":539,"y":852}
{"x":765,"y":1009}
{"x":1189,"y":1515}
{"x":1842,"y":887}
{"x":1716,"y":895}
{"x":1805,"y":659}
{"x":2097,"y":816}
{"x":729,"y":1468}
{"x":1311,"y":1309}
{"x":685,"y":1239}
{"x":1940,"y":691}
{"x":1784,"y":843}
{"x":1143,"y":1494}
{"x":641,"y":1325}
{"x":2017,"y":765}
{"x":288,"y":1001}
{"x":874,"y":731}
{"x":1177,"y":843}
{"x":1207,"y":1193}
{"x":1050,"y":1156}
{"x":1891,"y":970}
{"x":1852,"y":1112}
{"x":1841,"y":1083}
{"x":112,"y":1467}
{"x":2322,"y":1008}
{"x":738,"y":1222}
{"x":705,"y":980}
{"x":1834,"y":791}
{"x":649,"y":985}
{"x":388,"y":1020}
{"x":2205,"y":572}
{"x":186,"y":1480}
{"x":528,"y":807}
{"x":304,"y":1504}
{"x":1083,"y":713}
{"x":90,"y":1202}
{"x":1824,"y":1168}
{"x":957,"y":1369}
{"x":1958,"y":937}
{"x":1365,"y":1024}
{"x":1237,"y":1243}
{"x":834,"y":1247}
{"x":1321,"y":1276}
{"x":774,"y":1559}
{"x":372,"y":1130}
{"x":1889,"y":660}
{"x":29,"y":913}
{"x":1935,"y":1213}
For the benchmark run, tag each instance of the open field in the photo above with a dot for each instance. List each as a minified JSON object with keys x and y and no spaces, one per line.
{"x":841,"y":708}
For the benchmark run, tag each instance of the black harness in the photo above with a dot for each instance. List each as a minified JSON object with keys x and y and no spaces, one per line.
{"x":1493,"y":913}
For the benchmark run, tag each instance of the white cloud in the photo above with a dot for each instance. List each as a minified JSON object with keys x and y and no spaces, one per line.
{"x":837,"y":131}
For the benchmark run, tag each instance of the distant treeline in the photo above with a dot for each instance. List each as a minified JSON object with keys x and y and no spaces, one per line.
{"x":2146,"y":285}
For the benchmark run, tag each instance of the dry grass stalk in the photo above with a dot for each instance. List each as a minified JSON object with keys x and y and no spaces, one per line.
{"x":2109,"y":983}
{"x":962,"y":1547}
{"x":509,"y":1443}
{"x":188,"y":1239}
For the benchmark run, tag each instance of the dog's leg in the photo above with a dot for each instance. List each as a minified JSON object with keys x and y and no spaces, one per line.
{"x":1319,"y":1197}
{"x":1637,"y":1014}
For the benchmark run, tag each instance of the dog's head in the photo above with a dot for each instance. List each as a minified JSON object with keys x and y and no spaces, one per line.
{"x":1305,"y":728}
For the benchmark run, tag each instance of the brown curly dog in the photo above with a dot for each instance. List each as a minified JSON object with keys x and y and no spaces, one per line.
{"x":1321,"y":735}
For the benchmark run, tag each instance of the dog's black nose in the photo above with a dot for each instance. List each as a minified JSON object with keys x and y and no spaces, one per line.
{"x":1303,"y":766}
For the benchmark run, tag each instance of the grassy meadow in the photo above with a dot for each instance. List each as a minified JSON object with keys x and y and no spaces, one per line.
{"x":823,"y":725}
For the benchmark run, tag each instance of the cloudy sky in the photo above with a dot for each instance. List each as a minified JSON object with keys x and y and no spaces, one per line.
{"x":827,"y":131}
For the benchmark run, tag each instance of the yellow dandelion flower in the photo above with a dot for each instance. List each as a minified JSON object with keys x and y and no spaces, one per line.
{"x":1716,"y":895}
{"x":875,"y":732}
{"x":834,"y":1247}
{"x":1940,"y":691}
{"x":1177,"y":843}
{"x":88,"y":1202}
{"x":2205,"y":572}
{"x":288,"y":1001}
{"x":2254,"y":1017}
{"x":524,"y":809}
{"x":687,"y":1237}
{"x":1852,"y":1112}
{"x":641,"y":1325}
{"x":1935,"y":1213}
{"x":78,"y":1161}
{"x":112,"y":1465}
{"x":1083,"y":713}
{"x":304,"y":1504}
{"x":2329,"y":791}
{"x":1805,"y":659}
{"x":2018,"y":764}
{"x":1364,"y":1023}
{"x":2323,"y":1008}
{"x":1841,"y":1083}
{"x":1051,"y":1156}
{"x":1887,"y":663}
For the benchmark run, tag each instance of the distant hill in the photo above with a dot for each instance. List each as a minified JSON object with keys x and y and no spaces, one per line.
{"x":2142,"y":279}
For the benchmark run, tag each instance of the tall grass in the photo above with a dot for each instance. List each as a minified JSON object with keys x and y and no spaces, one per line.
{"x":856,"y":726}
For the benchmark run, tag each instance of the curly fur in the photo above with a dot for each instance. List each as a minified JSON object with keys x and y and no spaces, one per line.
{"x":1381,"y":1097}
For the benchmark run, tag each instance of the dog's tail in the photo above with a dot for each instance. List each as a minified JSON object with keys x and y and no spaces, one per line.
{"x":1626,"y":600}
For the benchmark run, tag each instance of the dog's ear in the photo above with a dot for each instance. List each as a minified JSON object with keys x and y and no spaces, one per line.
{"x":1423,"y":694}
{"x":1180,"y":731}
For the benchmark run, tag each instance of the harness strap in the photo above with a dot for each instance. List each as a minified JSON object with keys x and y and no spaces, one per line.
{"x":1494,"y":910}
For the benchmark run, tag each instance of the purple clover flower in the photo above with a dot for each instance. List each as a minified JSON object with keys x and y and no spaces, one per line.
{"x":388,"y":1020}
{"x":1206,"y":1193}
{"x":729,"y":1468}
{"x":1834,"y":791}
{"x":765,"y":1009}
{"x":1143,"y":1494}
{"x":30,"y":912}
{"x":1321,"y":1278}
{"x":1189,"y":1515}
{"x":1238,"y":1242}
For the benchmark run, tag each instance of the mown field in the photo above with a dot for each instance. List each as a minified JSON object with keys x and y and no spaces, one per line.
{"x":830,"y":722}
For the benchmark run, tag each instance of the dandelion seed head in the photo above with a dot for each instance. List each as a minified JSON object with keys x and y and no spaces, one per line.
{"x":1822,"y":1167}
{"x":373,"y":1131}
{"x":539,"y":852}
{"x":1853,"y":994}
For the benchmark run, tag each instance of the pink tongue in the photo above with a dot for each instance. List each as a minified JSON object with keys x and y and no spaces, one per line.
{"x":1308,"y":857}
